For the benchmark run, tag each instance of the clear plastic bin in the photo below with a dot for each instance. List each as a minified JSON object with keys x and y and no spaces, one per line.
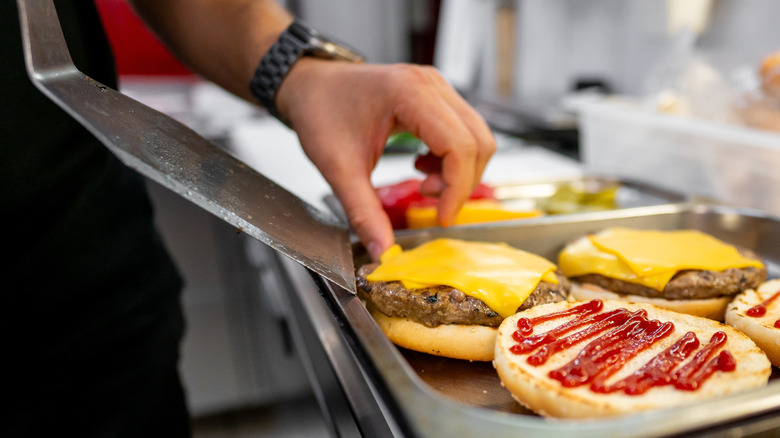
{"x":727,"y":163}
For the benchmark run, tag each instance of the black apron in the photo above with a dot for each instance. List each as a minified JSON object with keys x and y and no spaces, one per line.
{"x":90,"y":320}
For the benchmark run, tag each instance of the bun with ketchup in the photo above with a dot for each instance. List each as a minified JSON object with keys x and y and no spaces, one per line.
{"x":608,"y":358}
{"x":447,"y":297}
{"x":756,"y":313}
{"x":683,"y":270}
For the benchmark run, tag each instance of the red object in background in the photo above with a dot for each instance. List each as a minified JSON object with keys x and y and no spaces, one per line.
{"x":136,"y":50}
{"x":396,"y":199}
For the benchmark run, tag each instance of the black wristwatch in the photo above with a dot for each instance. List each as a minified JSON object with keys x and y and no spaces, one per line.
{"x":296,"y":41}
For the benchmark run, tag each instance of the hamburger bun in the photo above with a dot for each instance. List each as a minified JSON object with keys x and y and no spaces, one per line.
{"x":761,"y":329}
{"x":712,"y":308}
{"x":458,"y":341}
{"x":533,"y":387}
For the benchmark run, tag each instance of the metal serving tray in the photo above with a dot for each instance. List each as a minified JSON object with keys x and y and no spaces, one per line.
{"x":434,"y":396}
{"x":538,"y":194}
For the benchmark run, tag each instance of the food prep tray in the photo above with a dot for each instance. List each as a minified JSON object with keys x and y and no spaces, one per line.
{"x":568,"y":195}
{"x":447,"y":397}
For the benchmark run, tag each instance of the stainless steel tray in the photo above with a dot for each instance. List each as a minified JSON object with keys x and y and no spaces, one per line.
{"x":444,"y":397}
{"x":538,"y":194}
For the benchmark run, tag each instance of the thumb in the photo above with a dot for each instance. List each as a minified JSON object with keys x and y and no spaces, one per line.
{"x":366,"y":215}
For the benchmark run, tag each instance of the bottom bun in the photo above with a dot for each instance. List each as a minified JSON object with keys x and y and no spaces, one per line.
{"x":712,"y":308}
{"x":458,"y":341}
{"x":534,"y":387}
{"x":762,"y":329}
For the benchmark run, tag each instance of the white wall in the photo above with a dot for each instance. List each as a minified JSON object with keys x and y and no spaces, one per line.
{"x":376,"y":28}
{"x":558,"y":41}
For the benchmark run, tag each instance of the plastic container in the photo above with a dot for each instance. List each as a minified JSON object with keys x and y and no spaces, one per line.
{"x":730,"y":164}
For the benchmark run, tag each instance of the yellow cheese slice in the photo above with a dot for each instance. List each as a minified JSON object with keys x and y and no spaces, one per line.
{"x":496,"y":273}
{"x":472,"y":212}
{"x":582,"y":257}
{"x":649,"y":257}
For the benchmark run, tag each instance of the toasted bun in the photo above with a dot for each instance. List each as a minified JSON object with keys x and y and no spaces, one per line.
{"x":712,"y":308}
{"x":468,"y":342}
{"x":532,"y":387}
{"x":761,"y":329}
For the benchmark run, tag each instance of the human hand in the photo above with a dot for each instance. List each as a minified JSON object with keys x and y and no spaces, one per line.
{"x":344,"y":113}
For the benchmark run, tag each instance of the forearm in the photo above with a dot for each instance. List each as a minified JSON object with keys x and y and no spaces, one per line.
{"x":222,"y":40}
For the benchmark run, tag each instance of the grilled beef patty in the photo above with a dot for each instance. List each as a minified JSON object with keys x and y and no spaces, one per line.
{"x":688,"y":285}
{"x":437,"y":305}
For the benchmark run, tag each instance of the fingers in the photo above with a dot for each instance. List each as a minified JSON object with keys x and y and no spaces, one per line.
{"x":455,"y":134}
{"x":365,"y":213}
{"x":361,"y":105}
{"x":456,"y":150}
{"x":474,"y":122}
{"x":432,"y":186}
{"x":427,"y":115}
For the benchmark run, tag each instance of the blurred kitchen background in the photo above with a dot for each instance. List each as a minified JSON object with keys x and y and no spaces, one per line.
{"x":662,"y":91}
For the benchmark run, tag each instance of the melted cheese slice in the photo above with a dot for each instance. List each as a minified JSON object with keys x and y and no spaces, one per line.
{"x":496,"y":273}
{"x":650,"y":258}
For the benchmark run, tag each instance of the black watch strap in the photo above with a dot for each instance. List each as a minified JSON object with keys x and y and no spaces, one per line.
{"x":274,"y":67}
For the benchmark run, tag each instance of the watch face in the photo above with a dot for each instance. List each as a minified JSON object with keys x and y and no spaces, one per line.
{"x":323,"y":47}
{"x":331,"y":50}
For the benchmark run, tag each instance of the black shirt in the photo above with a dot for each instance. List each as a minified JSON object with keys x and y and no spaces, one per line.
{"x":89,"y":294}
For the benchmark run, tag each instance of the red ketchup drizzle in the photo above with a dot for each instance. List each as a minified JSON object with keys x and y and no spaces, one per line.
{"x":608,"y":353}
{"x":656,"y":372}
{"x":526,"y":326}
{"x":616,"y":337}
{"x":759,"y":310}
{"x":703,"y":365}
{"x":555,"y":345}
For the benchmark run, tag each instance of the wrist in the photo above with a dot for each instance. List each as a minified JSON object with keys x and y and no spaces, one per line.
{"x":294,"y":90}
{"x":294,"y":44}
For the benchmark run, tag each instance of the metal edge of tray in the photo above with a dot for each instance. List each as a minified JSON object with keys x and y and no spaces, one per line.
{"x":349,"y":399}
{"x":429,"y":414}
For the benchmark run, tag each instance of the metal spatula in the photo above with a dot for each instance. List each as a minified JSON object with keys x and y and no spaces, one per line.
{"x":178,"y":158}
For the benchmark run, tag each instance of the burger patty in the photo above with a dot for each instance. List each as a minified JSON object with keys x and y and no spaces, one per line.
{"x":437,"y":305}
{"x":691,"y":284}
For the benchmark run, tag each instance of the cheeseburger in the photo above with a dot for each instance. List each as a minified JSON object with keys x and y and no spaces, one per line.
{"x":447,"y":297}
{"x":684,"y":270}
